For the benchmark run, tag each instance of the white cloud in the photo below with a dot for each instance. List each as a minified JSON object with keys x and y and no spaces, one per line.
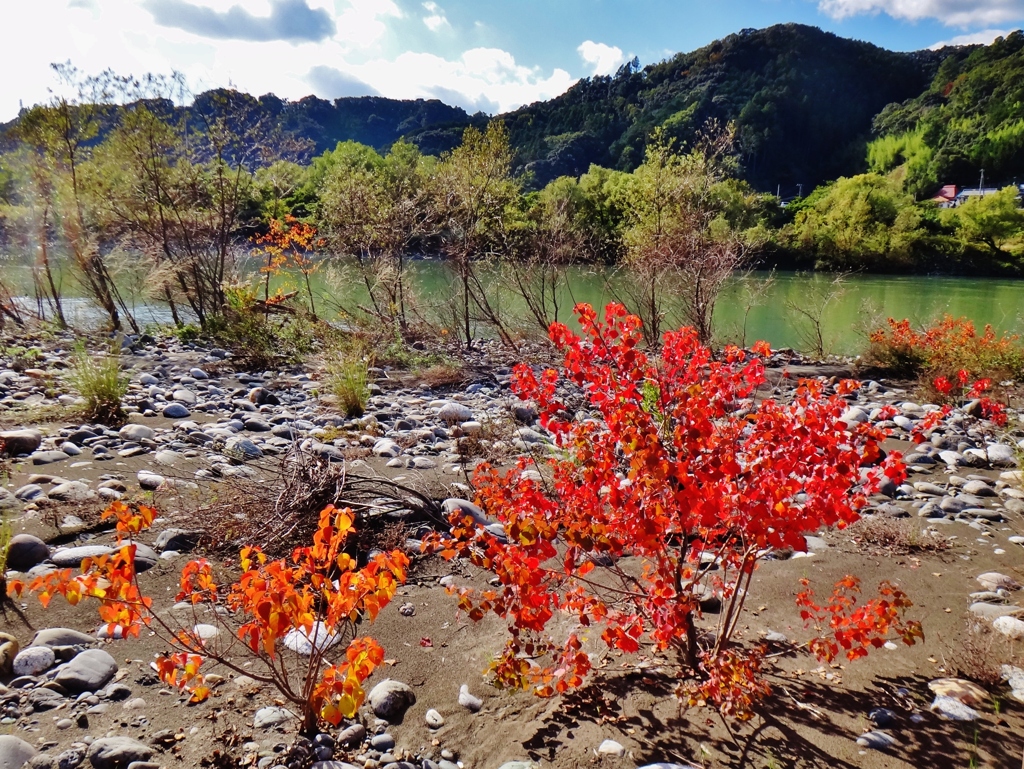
{"x":487,"y":79}
{"x":602,"y":59}
{"x":952,"y":13}
{"x":984,"y":37}
{"x":123,"y":36}
{"x":436,"y":18}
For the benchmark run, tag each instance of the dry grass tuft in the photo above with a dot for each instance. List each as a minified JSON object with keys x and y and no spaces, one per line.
{"x":900,"y":536}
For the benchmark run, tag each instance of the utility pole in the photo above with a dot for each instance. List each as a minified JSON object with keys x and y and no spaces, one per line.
{"x":982,"y":185}
{"x":800,"y":190}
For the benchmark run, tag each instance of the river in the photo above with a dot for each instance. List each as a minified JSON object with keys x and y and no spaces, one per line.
{"x":861,"y":302}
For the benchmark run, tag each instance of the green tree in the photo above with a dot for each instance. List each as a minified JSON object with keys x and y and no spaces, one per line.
{"x":994,"y":221}
{"x":477,"y":217}
{"x":680,"y":246}
{"x":866,"y":222}
{"x":61,"y":134}
{"x":374,"y":209}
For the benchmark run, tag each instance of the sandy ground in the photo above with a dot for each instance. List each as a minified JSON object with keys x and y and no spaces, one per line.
{"x":812,"y":721}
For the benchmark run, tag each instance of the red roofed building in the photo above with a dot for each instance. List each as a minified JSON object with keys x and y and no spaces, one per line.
{"x":946,"y":196}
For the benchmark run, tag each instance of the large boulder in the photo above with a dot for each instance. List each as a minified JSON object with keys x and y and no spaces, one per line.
{"x":118,"y":752}
{"x":14,"y":752}
{"x":8,"y":651}
{"x":62,"y":636}
{"x":390,"y":699}
{"x":15,"y":442}
{"x":25,"y":551}
{"x":136,"y":432}
{"x":88,"y":671}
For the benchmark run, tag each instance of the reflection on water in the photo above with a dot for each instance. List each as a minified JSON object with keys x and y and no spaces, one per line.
{"x":774,"y":317}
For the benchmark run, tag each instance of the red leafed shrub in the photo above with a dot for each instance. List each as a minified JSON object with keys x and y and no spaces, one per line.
{"x":673,"y":488}
{"x":852,"y":628}
{"x":948,"y":346}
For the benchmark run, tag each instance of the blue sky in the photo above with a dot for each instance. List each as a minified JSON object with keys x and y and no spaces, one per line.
{"x":480,"y":54}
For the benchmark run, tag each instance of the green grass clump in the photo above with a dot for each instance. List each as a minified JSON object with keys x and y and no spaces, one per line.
{"x":347,"y":378}
{"x":99,"y":380}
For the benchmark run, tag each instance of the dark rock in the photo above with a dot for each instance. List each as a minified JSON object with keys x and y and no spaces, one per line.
{"x":390,"y":699}
{"x":25,"y":551}
{"x":15,"y":442}
{"x":117,"y":752}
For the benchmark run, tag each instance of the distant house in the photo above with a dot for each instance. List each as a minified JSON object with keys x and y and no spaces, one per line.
{"x":974,"y":192}
{"x":946,"y":197}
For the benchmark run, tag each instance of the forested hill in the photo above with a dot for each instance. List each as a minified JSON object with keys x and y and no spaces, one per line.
{"x":970,"y":118}
{"x":803,"y":101}
{"x":371,"y":120}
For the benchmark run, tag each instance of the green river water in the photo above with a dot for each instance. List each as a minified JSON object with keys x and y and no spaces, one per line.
{"x":774,"y":317}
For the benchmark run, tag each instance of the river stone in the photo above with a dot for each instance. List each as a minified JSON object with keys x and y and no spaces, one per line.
{"x":1001,"y":455}
{"x":30,"y":492}
{"x":167,"y":457}
{"x":135,"y":432}
{"x":469,"y":701}
{"x":62,"y":636}
{"x":242,"y":449}
{"x":987,"y":610}
{"x":979,"y":489}
{"x":352,"y":736}
{"x":953,"y":709}
{"x":319,"y":637}
{"x":72,"y":491}
{"x":71,"y":557}
{"x":611,"y":748}
{"x":876,"y":740}
{"x":8,"y":651}
{"x":967,"y":692}
{"x":993,"y":580}
{"x":453,"y":413}
{"x":386,"y":447}
{"x":88,"y":671}
{"x":70,"y":758}
{"x":434,"y":719}
{"x":390,"y":699}
{"x":1011,"y":627}
{"x":450,"y":506}
{"x":271,"y":716}
{"x":118,"y":752}
{"x":332,"y":765}
{"x":149,"y":480}
{"x":182,"y":395}
{"x":14,"y":752}
{"x":25,"y":551}
{"x":15,"y":442}
{"x":48,"y":457}
{"x":177,"y":540}
{"x":34,"y":660}
{"x":176,"y":411}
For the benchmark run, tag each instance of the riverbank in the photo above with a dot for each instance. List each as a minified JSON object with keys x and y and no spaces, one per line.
{"x":207,"y":441}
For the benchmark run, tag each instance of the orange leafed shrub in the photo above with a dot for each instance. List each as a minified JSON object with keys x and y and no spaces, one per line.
{"x":948,"y":346}
{"x":683,"y":469}
{"x":319,"y":591}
